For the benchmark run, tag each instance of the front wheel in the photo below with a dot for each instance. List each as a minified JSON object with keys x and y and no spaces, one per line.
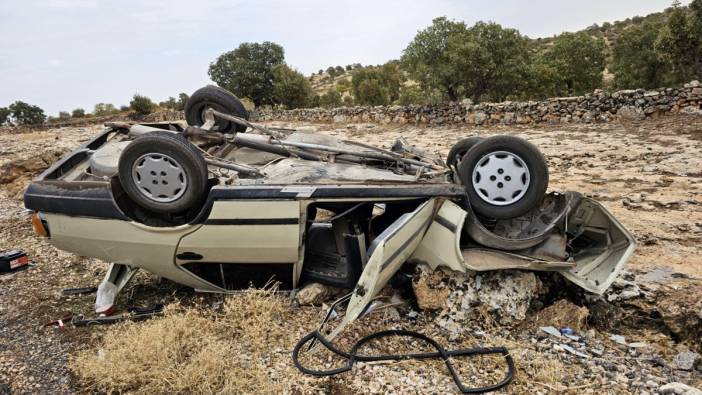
{"x":163,"y":172}
{"x":504,"y":177}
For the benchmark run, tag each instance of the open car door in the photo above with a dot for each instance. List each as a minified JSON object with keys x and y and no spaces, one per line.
{"x":386,"y":255}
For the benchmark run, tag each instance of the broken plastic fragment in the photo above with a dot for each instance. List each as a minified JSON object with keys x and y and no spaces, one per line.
{"x":573,"y":351}
{"x":551,"y":331}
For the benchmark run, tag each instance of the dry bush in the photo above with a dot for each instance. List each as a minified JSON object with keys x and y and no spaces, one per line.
{"x":190,"y":351}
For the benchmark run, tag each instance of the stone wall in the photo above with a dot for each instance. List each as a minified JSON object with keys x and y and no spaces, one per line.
{"x":599,"y":106}
{"x":160,"y":116}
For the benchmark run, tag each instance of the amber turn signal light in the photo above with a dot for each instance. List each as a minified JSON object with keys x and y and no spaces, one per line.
{"x":38,"y":226}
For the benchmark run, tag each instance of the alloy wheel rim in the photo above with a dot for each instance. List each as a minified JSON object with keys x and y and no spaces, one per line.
{"x":159,"y":177}
{"x":501,"y":178}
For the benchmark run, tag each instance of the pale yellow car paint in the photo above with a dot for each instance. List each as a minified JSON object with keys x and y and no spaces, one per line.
{"x":595,"y":272}
{"x":124,"y":242}
{"x":391,"y":251}
{"x":247,"y":243}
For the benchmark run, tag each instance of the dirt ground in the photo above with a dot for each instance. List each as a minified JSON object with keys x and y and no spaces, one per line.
{"x":648,"y":174}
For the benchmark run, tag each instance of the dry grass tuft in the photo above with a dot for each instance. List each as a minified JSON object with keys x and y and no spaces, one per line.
{"x":191,"y":351}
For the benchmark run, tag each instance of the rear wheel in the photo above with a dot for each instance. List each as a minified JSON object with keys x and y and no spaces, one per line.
{"x":218,"y":99}
{"x":504,"y":176}
{"x":163,"y":172}
{"x":458,"y":151}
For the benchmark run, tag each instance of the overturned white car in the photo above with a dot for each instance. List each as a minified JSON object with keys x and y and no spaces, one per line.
{"x":223,"y":203}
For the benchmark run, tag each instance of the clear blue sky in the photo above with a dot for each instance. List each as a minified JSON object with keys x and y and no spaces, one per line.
{"x":63,"y":54}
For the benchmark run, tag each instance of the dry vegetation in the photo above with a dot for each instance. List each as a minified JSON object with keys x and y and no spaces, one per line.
{"x":244,"y":344}
{"x":193,"y":350}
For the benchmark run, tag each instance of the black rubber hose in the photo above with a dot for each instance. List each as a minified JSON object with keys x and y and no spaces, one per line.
{"x":440,"y":352}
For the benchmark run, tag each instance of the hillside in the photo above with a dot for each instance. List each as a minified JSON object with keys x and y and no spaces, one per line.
{"x":610,"y":31}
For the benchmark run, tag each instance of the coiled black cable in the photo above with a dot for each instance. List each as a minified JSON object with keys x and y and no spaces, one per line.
{"x":353,"y":356}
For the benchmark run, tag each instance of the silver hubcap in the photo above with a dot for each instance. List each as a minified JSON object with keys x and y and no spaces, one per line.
{"x":501,"y":178}
{"x":159,"y":177}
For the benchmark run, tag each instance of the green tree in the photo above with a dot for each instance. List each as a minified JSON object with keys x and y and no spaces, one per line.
{"x":411,"y":95}
{"x":415,"y":95}
{"x":489,"y":60}
{"x":331,"y":71}
{"x":26,"y":114}
{"x":4,"y":115}
{"x":78,"y":113}
{"x":577,"y":61}
{"x":142,"y":105}
{"x":543,"y":81}
{"x":63,"y":115}
{"x":314,"y":101}
{"x":370,"y":92}
{"x":331,"y":99}
{"x":680,"y":41}
{"x":182,"y":99}
{"x":248,"y":70}
{"x":290,"y":87}
{"x":343,"y":86}
{"x":428,"y":60}
{"x":170,"y":103}
{"x":102,"y":109}
{"x":635,"y":63}
{"x":377,"y":85}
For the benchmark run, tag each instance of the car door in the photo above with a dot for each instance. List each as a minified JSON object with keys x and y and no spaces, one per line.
{"x":386,"y":255}
{"x":242,"y":242}
{"x":246,"y":231}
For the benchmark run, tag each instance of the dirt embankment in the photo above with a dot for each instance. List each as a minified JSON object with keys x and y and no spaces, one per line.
{"x":648,"y":174}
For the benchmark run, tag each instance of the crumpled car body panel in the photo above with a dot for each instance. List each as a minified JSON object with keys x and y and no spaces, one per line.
{"x":589,"y":247}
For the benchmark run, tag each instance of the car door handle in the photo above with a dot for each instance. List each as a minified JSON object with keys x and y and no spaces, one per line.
{"x":189,"y":256}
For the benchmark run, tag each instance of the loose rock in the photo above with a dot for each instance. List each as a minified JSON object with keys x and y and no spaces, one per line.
{"x":687,"y":360}
{"x":313,"y":294}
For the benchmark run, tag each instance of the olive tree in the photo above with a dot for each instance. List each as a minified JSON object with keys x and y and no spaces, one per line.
{"x":680,"y":41}
{"x":290,"y":87}
{"x":428,"y":60}
{"x":376,"y":85}
{"x":142,"y":104}
{"x":182,"y":99}
{"x":26,"y":114}
{"x":4,"y":115}
{"x":489,"y":60}
{"x":102,"y":109}
{"x":635,"y":63}
{"x":248,"y":70}
{"x":331,"y":99}
{"x":577,"y":61}
{"x":169,"y":103}
{"x":78,"y":113}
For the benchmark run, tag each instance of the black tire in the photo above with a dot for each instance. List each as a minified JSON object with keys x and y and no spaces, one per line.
{"x":218,"y":99}
{"x":532,"y":191}
{"x":191,"y":168}
{"x":459,"y":150}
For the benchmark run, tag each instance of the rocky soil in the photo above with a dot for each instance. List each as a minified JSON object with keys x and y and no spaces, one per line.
{"x":643,"y":336}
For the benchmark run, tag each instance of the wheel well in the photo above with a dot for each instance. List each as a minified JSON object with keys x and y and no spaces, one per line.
{"x":139,"y":214}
